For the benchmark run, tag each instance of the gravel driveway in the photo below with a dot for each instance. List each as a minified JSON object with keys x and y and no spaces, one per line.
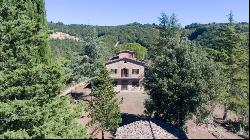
{"x":133,"y":102}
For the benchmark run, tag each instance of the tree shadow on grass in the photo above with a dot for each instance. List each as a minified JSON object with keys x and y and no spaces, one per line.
{"x":130,"y":118}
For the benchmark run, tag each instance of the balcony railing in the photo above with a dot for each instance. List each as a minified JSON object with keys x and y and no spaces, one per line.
{"x":127,"y":76}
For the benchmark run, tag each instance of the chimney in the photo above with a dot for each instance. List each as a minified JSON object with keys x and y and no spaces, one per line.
{"x":126,"y":54}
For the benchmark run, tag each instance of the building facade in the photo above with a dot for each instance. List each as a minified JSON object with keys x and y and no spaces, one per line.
{"x":126,"y":71}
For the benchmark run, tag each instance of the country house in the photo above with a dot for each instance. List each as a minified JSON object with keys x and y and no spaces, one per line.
{"x":126,"y":71}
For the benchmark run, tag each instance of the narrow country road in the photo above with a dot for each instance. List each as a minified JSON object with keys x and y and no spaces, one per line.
{"x":81,"y":84}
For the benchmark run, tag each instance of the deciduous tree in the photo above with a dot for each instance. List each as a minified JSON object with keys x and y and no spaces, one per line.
{"x":181,"y":79}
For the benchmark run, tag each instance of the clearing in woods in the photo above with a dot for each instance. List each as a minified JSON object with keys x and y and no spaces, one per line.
{"x":132,"y":107}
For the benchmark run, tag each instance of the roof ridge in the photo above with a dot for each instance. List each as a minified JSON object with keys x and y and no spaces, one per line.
{"x":110,"y":61}
{"x":125,"y":51}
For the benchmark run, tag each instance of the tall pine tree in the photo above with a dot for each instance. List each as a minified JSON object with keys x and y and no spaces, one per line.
{"x":227,"y":46}
{"x":29,"y":81}
{"x":104,"y":107}
{"x":86,"y":64}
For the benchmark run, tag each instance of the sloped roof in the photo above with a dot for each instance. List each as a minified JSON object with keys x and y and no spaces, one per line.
{"x":126,"y":59}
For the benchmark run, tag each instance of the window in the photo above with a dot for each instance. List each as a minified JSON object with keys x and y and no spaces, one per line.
{"x":135,"y":83}
{"x":114,"y":71}
{"x":115,"y":83}
{"x":135,"y":71}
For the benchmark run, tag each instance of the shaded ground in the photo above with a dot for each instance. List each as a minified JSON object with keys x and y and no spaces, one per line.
{"x":93,"y":130}
{"x":83,"y":94}
{"x":132,"y":109}
{"x":209,"y":132}
{"x":212,"y":131}
{"x":133,"y":103}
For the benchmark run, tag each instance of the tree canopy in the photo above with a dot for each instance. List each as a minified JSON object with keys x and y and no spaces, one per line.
{"x":227,"y":46}
{"x":29,"y":81}
{"x":180,"y":78}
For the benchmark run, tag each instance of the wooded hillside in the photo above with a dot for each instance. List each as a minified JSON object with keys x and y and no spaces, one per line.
{"x":223,"y":48}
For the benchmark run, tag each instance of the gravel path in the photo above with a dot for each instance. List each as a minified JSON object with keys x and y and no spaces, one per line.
{"x":136,"y":130}
{"x":145,"y":129}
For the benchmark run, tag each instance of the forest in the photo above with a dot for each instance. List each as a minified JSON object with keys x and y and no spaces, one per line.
{"x":189,"y":70}
{"x":221,"y":48}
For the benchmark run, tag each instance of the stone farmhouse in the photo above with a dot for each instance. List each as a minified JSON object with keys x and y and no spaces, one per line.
{"x":126,"y":71}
